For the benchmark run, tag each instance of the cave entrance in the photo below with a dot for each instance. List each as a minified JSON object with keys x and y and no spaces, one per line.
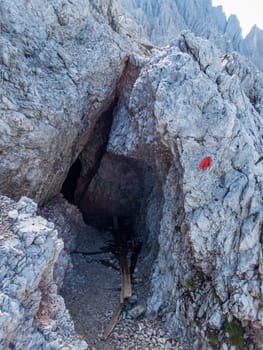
{"x":115,"y":191}
{"x":111,"y":200}
{"x":114,"y":204}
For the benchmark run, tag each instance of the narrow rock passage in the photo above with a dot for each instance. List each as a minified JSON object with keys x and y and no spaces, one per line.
{"x":92,"y":290}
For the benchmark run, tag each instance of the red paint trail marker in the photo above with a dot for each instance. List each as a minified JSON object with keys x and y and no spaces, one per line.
{"x":205,"y":163}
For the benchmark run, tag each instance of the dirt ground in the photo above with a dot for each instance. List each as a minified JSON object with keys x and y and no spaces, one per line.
{"x":91,"y":291}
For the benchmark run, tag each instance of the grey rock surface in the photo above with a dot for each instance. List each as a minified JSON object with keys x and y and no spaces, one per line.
{"x":252,"y":46}
{"x":33,"y":315}
{"x":150,"y":20}
{"x":60,"y":62}
{"x":62,"y":65}
{"x":68,"y":222}
{"x":161,"y":21}
{"x":189,"y":102}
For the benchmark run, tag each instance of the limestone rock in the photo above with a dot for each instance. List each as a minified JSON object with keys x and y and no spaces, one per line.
{"x":60,"y":62}
{"x":33,"y":315}
{"x":150,"y":20}
{"x":189,"y":102}
{"x":160,"y":22}
{"x":62,"y":65}
{"x":68,"y":222}
{"x":137,"y":311}
{"x":252,"y":46}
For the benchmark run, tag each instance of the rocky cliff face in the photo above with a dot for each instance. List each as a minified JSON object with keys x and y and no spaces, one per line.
{"x":252,"y":46}
{"x":60,"y":63}
{"x":160,"y":22}
{"x":189,"y":103}
{"x":163,"y":21}
{"x":137,"y":121}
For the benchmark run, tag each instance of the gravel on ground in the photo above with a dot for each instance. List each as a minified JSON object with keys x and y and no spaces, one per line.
{"x":91,"y":291}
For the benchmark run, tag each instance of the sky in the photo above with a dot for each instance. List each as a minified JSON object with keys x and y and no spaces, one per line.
{"x":249,"y":12}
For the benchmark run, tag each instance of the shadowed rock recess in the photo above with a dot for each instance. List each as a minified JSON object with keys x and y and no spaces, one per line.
{"x":120,"y":128}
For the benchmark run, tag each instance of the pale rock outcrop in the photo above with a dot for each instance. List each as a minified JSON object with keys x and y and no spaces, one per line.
{"x":60,"y":62}
{"x":150,"y":20}
{"x":32,"y":314}
{"x":69,"y":223}
{"x":190,"y":102}
{"x":161,"y":21}
{"x":252,"y":46}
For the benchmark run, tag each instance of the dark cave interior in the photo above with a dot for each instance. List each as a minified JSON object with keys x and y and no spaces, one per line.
{"x":115,"y":190}
{"x":120,"y":199}
{"x":70,"y":184}
{"x":120,"y":188}
{"x":112,"y":202}
{"x":105,"y":186}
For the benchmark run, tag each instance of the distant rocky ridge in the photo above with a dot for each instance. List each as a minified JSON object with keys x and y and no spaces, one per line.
{"x":160,"y":21}
{"x":252,"y":46}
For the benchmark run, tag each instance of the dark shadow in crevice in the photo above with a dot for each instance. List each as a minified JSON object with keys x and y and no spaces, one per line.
{"x":101,"y":132}
{"x":98,"y":144}
{"x":70,"y":184}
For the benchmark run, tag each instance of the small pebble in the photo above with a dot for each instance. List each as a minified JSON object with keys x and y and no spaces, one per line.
{"x":137,"y":311}
{"x":133,"y":299}
{"x":13,"y":214}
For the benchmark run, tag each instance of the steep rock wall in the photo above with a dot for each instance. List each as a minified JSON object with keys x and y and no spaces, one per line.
{"x":60,"y":62}
{"x":252,"y":46}
{"x":189,"y":103}
{"x":160,"y":21}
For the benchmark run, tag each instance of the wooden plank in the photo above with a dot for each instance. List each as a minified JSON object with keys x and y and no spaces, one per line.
{"x":126,"y":288}
{"x":114,"y":320}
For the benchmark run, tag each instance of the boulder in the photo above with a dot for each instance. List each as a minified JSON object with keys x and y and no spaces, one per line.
{"x":33,"y":315}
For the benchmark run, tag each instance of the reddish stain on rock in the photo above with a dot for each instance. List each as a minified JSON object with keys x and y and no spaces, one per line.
{"x":205,"y":163}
